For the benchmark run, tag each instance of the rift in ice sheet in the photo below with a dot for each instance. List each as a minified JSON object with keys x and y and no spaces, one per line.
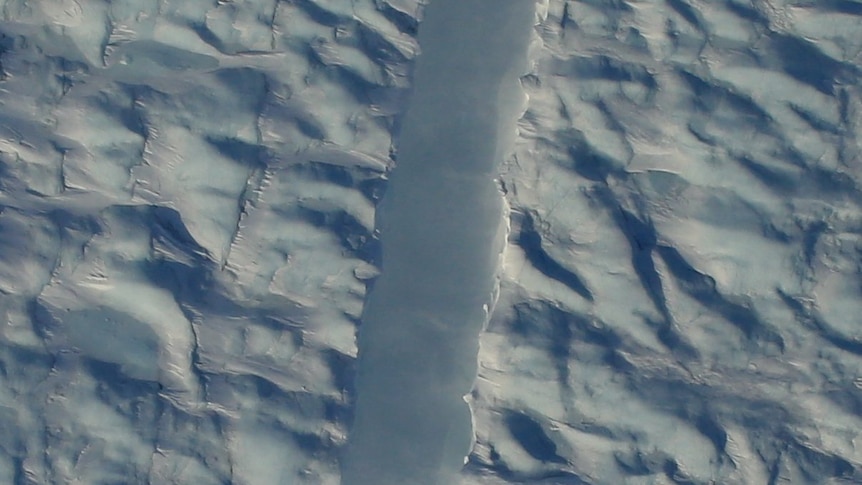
{"x":441,"y":232}
{"x":430,"y":241}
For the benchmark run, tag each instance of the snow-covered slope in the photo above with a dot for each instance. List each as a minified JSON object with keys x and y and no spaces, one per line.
{"x":681,"y":294}
{"x":187,"y":203}
{"x":188,"y":193}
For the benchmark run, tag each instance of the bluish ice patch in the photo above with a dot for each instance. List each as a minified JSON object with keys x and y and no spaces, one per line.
{"x":440,"y":226}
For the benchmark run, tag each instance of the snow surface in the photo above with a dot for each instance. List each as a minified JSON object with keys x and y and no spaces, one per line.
{"x":187,"y":227}
{"x":681,"y":292}
{"x":188,"y":194}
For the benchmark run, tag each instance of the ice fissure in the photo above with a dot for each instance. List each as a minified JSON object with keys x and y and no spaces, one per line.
{"x":441,"y":234}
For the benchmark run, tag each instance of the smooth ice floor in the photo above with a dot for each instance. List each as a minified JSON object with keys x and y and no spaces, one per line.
{"x":442,"y":231}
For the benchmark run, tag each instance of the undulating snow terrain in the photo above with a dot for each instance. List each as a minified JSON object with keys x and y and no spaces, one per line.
{"x":187,"y":226}
{"x":681,"y":294}
{"x":188,"y":193}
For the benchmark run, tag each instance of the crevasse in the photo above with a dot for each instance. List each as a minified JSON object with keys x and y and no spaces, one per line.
{"x":441,"y":237}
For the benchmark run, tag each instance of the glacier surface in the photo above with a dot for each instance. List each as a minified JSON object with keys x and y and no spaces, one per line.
{"x":188,"y":195}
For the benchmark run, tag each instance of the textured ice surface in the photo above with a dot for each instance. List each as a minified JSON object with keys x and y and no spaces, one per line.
{"x":187,"y":198}
{"x":188,"y":193}
{"x":682,"y":285}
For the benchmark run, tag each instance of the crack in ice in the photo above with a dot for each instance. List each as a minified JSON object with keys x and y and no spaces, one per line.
{"x":442,"y":231}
